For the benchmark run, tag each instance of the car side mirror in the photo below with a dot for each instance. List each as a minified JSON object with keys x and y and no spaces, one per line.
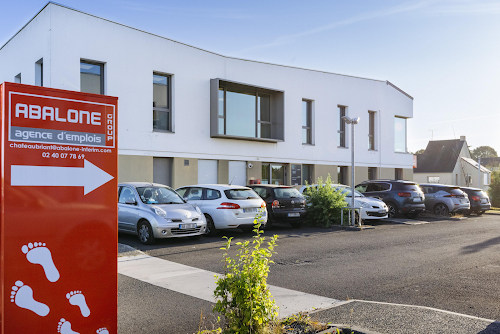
{"x":131,"y":201}
{"x":185,"y":198}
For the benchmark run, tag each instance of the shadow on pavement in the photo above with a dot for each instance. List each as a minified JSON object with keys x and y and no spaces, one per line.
{"x":480,"y":246}
{"x":493,"y":328}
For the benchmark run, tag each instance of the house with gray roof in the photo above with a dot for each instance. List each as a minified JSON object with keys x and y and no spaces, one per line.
{"x":450,"y":162}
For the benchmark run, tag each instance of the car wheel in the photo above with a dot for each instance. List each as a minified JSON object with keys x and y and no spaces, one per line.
{"x":412,"y":215}
{"x":479,"y":213}
{"x":145,"y":233}
{"x":467,"y":213}
{"x":391,"y":210}
{"x":296,"y":225}
{"x":441,"y":210}
{"x":211,"y":230}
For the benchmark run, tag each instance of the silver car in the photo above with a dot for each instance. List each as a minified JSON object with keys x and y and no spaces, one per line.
{"x":151,"y":210}
{"x":443,"y":199}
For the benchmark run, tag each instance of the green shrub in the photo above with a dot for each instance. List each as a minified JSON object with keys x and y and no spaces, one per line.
{"x":242,"y":294}
{"x":324,"y":204}
{"x":494,"y":191}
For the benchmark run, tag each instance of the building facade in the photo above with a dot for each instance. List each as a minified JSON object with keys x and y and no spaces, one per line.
{"x":190,"y":116}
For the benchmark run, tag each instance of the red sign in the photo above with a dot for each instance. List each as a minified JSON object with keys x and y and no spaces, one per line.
{"x":58,"y":233}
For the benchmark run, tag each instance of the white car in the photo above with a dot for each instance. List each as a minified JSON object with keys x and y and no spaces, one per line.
{"x":226,"y":206}
{"x":371,"y":208}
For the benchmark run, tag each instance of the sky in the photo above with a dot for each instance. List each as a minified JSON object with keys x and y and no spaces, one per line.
{"x":444,"y":53}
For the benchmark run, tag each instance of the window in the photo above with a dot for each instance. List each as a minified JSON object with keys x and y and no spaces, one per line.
{"x":342,"y":174}
{"x":371,"y":130}
{"x":17,"y":78}
{"x":372,"y":173}
{"x":260,"y":191}
{"x":273,"y":174}
{"x":212,"y":194}
{"x":400,"y":134}
{"x":307,"y":174}
{"x":246,"y":112}
{"x":39,"y":73}
{"x":307,"y":122}
{"x":398,"y":173}
{"x":341,"y":127}
{"x":433,"y":179}
{"x":91,"y":77}
{"x":162,"y":115}
{"x":126,"y":195}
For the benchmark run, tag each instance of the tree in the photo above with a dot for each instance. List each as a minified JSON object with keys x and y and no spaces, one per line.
{"x":483,"y":152}
{"x":494,"y":191}
{"x":421,"y":151}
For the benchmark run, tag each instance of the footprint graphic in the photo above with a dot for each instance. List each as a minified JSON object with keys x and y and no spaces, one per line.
{"x":22,"y":295}
{"x":77,"y":298}
{"x":103,"y":330}
{"x":64,"y":327}
{"x":39,"y":254}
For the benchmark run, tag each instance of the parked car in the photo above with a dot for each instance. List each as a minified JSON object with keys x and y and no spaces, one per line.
{"x":226,"y":206}
{"x":371,"y":208}
{"x":153,"y":211}
{"x":401,"y":197}
{"x":283,"y":203}
{"x":479,"y":201}
{"x":443,"y":199}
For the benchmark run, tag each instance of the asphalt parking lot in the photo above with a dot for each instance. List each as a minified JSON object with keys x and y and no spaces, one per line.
{"x":449,"y":264}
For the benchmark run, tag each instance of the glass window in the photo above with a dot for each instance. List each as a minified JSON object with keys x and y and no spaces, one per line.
{"x":162,"y":116}
{"x":240,"y":194}
{"x":212,"y":194}
{"x":244,"y":113}
{"x":265,"y":173}
{"x":158,"y":195}
{"x":127,"y":195}
{"x":433,"y":179}
{"x":362,"y":188}
{"x":182,"y":191}
{"x":400,"y":134}
{"x":260,"y":191}
{"x":341,"y":127}
{"x":371,"y":130}
{"x":194,"y":194}
{"x":342,"y":174}
{"x":372,"y":173}
{"x":278,"y":174}
{"x":307,"y":174}
{"x":91,"y":77}
{"x":306,"y":122}
{"x":287,"y":193}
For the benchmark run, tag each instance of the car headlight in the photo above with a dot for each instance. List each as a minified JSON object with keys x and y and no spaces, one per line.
{"x":159,"y":211}
{"x":197,"y":209}
{"x":365,"y":205}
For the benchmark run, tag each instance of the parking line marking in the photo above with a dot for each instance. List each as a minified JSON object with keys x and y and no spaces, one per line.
{"x":200,"y":283}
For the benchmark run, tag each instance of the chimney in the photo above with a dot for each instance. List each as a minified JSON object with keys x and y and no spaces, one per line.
{"x":462,"y":138}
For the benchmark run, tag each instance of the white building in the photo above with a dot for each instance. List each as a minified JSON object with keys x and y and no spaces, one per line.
{"x":214,"y":118}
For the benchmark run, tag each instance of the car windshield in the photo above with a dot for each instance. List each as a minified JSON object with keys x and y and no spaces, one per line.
{"x":239,"y":194}
{"x":159,"y":195}
{"x":347,"y":192}
{"x":287,"y":193}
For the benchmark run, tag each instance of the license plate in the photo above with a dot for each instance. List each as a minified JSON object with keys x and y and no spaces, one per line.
{"x":294,"y":214}
{"x":382,"y":211}
{"x":250,"y":210}
{"x":463,"y":201}
{"x":484,"y":201}
{"x":417,"y":199}
{"x":187,"y":226}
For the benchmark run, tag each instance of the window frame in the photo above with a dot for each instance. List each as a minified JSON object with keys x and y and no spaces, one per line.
{"x":168,"y":110}
{"x":101,"y":79}
{"x":342,"y":129}
{"x":276,"y":110}
{"x":309,"y":119}
{"x":371,"y":130}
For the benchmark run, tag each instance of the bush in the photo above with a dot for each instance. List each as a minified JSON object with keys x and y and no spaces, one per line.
{"x":324,"y":204}
{"x":242,"y":294}
{"x":494,"y":191}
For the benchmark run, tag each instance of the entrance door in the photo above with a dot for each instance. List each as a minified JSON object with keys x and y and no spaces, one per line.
{"x":207,"y":172}
{"x":273,"y":174}
{"x":238,"y":173}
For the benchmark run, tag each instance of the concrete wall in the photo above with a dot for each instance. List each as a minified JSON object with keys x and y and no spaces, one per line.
{"x":387,"y":173}
{"x":184,"y":175}
{"x":254,"y":173}
{"x":323,"y":171}
{"x":135,"y":168}
{"x":408,"y":174}
{"x":223,"y":172}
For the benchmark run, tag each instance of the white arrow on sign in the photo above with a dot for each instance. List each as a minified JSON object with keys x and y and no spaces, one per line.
{"x":89,"y":177}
